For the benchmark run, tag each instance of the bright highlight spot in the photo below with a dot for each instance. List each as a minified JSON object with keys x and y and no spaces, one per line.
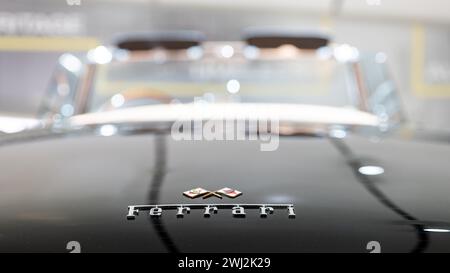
{"x":233,"y":86}
{"x":194,"y":53}
{"x":324,"y":53}
{"x":345,"y":53}
{"x":70,"y":62}
{"x":371,"y":170}
{"x":117,"y":100}
{"x":67,"y":110}
{"x":100,"y":55}
{"x":440,"y":230}
{"x":108,"y":130}
{"x":227,"y":51}
{"x":251,"y":52}
{"x":10,"y":125}
{"x":338,"y":133}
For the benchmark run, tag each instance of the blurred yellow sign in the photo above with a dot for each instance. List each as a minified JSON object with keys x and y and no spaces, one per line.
{"x":35,"y":43}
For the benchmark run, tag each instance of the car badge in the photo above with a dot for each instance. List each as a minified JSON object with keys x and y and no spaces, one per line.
{"x":197,"y":192}
{"x":230,"y":192}
{"x":194,"y":193}
{"x":237,"y":209}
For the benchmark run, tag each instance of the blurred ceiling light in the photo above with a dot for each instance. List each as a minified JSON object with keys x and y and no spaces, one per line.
{"x":233,"y":86}
{"x":117,"y":100}
{"x":251,"y":52}
{"x":371,"y":170}
{"x":194,"y":52}
{"x":380,"y":57}
{"x":108,"y":130}
{"x":70,"y":62}
{"x":67,"y":110}
{"x":346,"y":53}
{"x":324,"y":53}
{"x":440,"y":230}
{"x":227,"y":51}
{"x":121,"y":54}
{"x":100,"y":55}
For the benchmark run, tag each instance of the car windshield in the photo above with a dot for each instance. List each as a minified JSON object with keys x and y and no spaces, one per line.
{"x":307,"y":80}
{"x":338,"y":76}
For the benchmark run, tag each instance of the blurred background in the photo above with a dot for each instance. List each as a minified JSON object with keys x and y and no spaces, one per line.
{"x":414,"y":35}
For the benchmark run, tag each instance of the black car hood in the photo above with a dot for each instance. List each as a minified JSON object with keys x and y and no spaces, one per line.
{"x":79,"y":188}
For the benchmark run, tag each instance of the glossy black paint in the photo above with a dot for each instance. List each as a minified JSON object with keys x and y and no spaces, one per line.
{"x":78,"y":189}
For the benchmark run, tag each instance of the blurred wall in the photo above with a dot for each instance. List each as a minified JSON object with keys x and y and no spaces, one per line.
{"x":417,"y":48}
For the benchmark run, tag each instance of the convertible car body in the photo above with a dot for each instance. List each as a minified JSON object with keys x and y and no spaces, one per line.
{"x":104,"y":171}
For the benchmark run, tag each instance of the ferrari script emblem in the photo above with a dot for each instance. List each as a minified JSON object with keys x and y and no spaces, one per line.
{"x":237,"y":209}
